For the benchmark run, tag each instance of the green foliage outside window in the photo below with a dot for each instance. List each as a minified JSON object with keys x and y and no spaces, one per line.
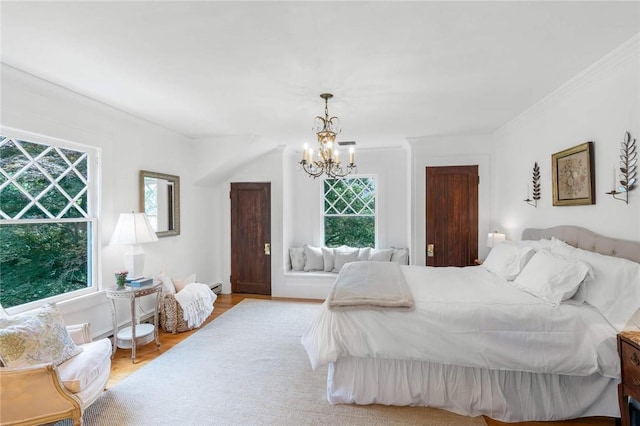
{"x":41,"y":260}
{"x":349,"y":212}
{"x":44,"y":221}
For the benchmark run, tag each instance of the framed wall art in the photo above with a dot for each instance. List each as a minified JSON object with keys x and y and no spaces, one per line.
{"x":573,"y":176}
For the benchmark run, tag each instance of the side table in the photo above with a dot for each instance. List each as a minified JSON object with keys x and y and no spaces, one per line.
{"x":136,"y":334}
{"x":629,"y":351}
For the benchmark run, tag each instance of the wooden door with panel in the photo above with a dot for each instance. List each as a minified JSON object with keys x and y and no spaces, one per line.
{"x":251,"y":238}
{"x":452,"y":215}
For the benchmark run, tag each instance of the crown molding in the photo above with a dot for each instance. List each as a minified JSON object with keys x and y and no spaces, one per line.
{"x":620,"y":57}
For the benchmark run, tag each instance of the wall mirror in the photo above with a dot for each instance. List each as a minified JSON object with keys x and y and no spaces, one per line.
{"x":160,"y":201}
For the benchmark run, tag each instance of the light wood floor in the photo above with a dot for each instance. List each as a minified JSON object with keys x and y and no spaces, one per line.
{"x":122,"y":366}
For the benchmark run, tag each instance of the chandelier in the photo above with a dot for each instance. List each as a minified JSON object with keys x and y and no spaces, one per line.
{"x":327,"y":159}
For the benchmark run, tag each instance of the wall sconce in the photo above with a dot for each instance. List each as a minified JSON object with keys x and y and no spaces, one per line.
{"x":494,"y":238}
{"x":628,"y":160}
{"x":536,"y":187}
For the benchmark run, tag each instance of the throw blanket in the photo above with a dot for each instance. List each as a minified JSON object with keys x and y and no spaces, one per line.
{"x":196,"y":301}
{"x":370,"y":285}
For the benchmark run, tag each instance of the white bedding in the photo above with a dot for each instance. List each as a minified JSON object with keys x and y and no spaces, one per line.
{"x":470,"y":317}
{"x":370,"y":285}
{"x":509,"y":396}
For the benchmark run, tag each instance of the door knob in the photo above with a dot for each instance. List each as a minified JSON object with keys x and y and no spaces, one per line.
{"x":267,"y":248}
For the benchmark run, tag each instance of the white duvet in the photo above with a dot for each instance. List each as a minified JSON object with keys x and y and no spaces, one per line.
{"x":470,"y":317}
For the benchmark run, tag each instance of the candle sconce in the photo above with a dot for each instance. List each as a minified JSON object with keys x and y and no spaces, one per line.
{"x":627,"y":176}
{"x":536,"y":187}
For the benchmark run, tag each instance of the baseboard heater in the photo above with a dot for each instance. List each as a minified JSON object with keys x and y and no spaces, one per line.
{"x":216,"y":288}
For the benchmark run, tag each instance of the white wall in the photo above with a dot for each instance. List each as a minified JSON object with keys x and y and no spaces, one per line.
{"x":296,"y":207}
{"x":388,"y":165}
{"x":127,"y":145}
{"x":449,"y":151}
{"x":269,"y":168}
{"x":598,"y":105}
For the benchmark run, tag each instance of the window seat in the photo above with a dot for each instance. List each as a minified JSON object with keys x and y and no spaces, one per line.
{"x":316,"y":283}
{"x":312,"y":285}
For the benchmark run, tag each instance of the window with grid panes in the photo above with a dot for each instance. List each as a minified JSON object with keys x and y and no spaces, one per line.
{"x":349,"y":212}
{"x":47,"y":220}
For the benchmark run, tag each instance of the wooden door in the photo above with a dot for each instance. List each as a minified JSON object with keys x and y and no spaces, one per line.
{"x":251,"y":238}
{"x":452,"y":215}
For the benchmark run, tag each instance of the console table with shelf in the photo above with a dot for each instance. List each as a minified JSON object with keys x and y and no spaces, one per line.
{"x":144,"y":333}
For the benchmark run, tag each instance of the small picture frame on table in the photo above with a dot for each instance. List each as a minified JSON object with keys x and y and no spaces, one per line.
{"x":573,"y":176}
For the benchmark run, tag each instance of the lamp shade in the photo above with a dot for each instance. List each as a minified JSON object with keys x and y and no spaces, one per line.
{"x":494,"y":238}
{"x":133,"y":228}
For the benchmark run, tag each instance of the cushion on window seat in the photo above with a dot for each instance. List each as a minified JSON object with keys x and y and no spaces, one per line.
{"x":325,"y":259}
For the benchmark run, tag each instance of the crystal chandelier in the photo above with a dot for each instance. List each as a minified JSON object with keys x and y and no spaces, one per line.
{"x":328,"y":158}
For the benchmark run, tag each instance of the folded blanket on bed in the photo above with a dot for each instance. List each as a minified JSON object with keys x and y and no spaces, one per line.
{"x":370,"y":285}
{"x":196,"y":301}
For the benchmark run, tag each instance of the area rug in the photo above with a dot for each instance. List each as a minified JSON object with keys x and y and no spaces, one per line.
{"x":246,"y":367}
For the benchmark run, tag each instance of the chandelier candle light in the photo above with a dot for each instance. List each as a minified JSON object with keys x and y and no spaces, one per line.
{"x":328,"y":161}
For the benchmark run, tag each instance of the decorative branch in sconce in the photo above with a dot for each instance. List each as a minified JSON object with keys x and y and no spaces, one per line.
{"x":627,"y":177}
{"x":536,"y":187}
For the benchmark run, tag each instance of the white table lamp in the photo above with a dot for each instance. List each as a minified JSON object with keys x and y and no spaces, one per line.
{"x":133,"y":229}
{"x":494,"y":238}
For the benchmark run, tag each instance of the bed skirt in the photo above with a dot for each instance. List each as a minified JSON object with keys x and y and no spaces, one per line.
{"x":502,"y":395}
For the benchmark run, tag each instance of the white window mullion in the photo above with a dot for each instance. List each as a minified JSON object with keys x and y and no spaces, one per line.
{"x":349,"y":196}
{"x":46,"y":175}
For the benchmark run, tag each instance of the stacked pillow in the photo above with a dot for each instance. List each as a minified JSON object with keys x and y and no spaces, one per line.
{"x":553,"y":277}
{"x":508,"y":259}
{"x":309,"y":258}
{"x":615,"y":289}
{"x":557,"y":272}
{"x":532,"y":267}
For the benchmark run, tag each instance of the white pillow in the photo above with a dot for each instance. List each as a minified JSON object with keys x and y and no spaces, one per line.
{"x":296,"y":254}
{"x":400,"y":255}
{"x":328,"y":258}
{"x":380,"y":255}
{"x":182,"y":282}
{"x":552,"y":277}
{"x":343,"y":257}
{"x":167,"y":283}
{"x":507,"y":259}
{"x":615,"y":291}
{"x":36,"y":337}
{"x":363,"y":254}
{"x":536,"y":244}
{"x":313,"y":258}
{"x":560,"y":247}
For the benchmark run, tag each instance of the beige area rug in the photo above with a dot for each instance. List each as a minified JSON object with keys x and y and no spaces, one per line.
{"x":245,"y":368}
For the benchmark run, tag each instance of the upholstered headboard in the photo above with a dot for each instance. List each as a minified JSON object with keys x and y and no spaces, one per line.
{"x":587,"y":240}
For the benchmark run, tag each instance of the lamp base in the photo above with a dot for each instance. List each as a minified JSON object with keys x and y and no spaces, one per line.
{"x":134,"y":261}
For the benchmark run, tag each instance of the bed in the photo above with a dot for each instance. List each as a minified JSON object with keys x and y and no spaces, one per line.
{"x":478,"y":344}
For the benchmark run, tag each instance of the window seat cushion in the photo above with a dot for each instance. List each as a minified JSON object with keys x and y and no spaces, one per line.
{"x":323,"y":261}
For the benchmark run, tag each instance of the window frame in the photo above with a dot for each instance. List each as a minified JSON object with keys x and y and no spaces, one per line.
{"x":92,"y":219}
{"x":376,"y":204}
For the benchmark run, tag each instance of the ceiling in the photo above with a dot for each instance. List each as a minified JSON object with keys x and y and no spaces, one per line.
{"x":397,"y":69}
